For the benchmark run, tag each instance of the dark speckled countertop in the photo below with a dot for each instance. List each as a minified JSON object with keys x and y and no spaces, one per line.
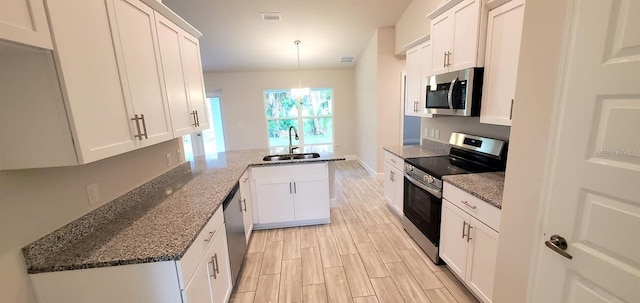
{"x":486,"y":186}
{"x":155,"y":222}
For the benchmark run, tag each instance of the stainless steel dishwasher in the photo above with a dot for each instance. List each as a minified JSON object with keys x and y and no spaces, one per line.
{"x":235,"y":231}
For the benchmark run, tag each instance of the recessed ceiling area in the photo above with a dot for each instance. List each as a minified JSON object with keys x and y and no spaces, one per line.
{"x":235,"y":37}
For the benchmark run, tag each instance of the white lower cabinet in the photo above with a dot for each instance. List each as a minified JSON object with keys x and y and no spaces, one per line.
{"x":202,"y":275}
{"x":394,"y":182}
{"x":289,"y":195}
{"x":247,"y":204}
{"x":469,"y":247}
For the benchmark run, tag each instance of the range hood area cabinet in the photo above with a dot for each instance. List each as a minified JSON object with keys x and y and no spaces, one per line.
{"x":25,"y":22}
{"x":458,"y":30}
{"x":102,"y":91}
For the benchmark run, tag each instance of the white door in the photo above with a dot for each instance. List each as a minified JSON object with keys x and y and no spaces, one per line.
{"x":247,"y":205}
{"x":139,"y":58}
{"x":504,"y":32}
{"x":311,"y":197}
{"x":195,"y":81}
{"x":453,"y":238}
{"x":441,"y":42}
{"x":483,"y":251}
{"x":199,"y":290}
{"x":274,"y":197}
{"x":25,"y":21}
{"x":593,"y":190}
{"x":220,"y":272}
{"x":465,"y":36}
{"x":414,"y":63}
{"x":427,"y":55}
{"x":169,"y":39}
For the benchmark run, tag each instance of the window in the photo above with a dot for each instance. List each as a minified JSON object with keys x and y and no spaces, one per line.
{"x":210,"y":141}
{"x":311,"y":115}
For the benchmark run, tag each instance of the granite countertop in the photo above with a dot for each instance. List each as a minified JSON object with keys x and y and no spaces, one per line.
{"x":155,"y":222}
{"x":414,"y":151}
{"x":486,"y":186}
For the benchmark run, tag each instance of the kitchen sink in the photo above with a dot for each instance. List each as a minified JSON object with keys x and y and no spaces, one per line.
{"x":291,"y":157}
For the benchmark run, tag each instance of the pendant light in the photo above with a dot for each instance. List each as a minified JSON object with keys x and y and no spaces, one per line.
{"x":300,"y":91}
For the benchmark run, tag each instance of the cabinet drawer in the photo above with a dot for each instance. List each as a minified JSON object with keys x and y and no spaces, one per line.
{"x":483,"y":211}
{"x":394,"y":160}
{"x":191,"y":258}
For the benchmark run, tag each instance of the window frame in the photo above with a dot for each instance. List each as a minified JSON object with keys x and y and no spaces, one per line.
{"x":300,"y":117}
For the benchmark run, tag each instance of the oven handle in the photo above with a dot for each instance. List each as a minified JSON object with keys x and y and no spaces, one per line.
{"x":432,"y":191}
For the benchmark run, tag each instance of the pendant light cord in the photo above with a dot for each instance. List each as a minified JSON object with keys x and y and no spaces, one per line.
{"x":297,"y":43}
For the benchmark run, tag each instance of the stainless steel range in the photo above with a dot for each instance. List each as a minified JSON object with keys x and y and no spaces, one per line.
{"x":423,"y":184}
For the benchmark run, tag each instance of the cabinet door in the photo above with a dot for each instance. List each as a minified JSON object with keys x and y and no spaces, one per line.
{"x":504,"y":32}
{"x":25,"y":22}
{"x":465,"y":35}
{"x":134,"y":30}
{"x":398,"y":184}
{"x":274,"y":197}
{"x":412,"y":95}
{"x":311,"y":197}
{"x":198,"y":289}
{"x":453,"y":240}
{"x":427,"y":54}
{"x":89,"y":71}
{"x":220,"y":271}
{"x":247,"y":204}
{"x":195,"y":81}
{"x":483,"y":251}
{"x":169,"y":37}
{"x":441,"y":42}
{"x":389,"y":189}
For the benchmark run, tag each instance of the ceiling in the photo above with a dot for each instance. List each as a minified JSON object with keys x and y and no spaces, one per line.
{"x":236,"y":39}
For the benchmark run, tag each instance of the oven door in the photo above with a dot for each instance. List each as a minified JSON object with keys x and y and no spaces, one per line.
{"x":422,"y":206}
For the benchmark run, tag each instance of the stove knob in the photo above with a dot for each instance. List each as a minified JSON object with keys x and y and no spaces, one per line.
{"x":428,"y":179}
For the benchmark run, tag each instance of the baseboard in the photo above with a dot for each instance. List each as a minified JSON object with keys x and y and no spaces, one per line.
{"x":291,"y":224}
{"x":334,"y":202}
{"x":368,"y":168}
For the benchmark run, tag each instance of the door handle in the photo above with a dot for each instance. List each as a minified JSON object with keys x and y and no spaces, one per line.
{"x":391,"y":176}
{"x":195,"y":120}
{"x":244,"y":202}
{"x":469,"y":232}
{"x":449,"y":58}
{"x":295,"y":190}
{"x":511,"y":111}
{"x":290,"y":191}
{"x":559,"y":245}
{"x":450,"y":94}
{"x":137,"y":120}
{"x":213,"y":269}
{"x":211,"y":233}
{"x":464,"y":225}
{"x":198,"y":118}
{"x":444,"y":60}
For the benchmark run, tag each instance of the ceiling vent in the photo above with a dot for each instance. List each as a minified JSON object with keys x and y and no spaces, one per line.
{"x":347,"y":59}
{"x":274,"y":16}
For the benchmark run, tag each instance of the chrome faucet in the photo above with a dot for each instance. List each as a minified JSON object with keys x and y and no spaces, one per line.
{"x":291,"y":147}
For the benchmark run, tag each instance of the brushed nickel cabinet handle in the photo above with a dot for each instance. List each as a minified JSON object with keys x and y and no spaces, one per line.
{"x":211,"y":233}
{"x":198,"y":118}
{"x":469,"y":232}
{"x":244,"y":204}
{"x":195,"y":120}
{"x":464,"y":225}
{"x":511,"y":111}
{"x":469,"y":205}
{"x":290,"y":191}
{"x":144,"y":126}
{"x":213,"y":269}
{"x":449,"y":58}
{"x":137,"y":120}
{"x":215,"y":257}
{"x":295,"y":190}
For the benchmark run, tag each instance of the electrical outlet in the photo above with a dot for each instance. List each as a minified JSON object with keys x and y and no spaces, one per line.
{"x":426,"y":132}
{"x":433,"y":132}
{"x":179,"y":153}
{"x":93,"y":194}
{"x":169,"y":160}
{"x":437,"y":134}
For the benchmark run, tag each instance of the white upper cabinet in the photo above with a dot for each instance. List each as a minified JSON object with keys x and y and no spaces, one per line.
{"x":183,"y":78}
{"x":457,"y":35}
{"x":417,"y":70}
{"x":504,"y":33}
{"x":25,"y":22}
{"x":134,"y":36}
{"x":195,"y":80}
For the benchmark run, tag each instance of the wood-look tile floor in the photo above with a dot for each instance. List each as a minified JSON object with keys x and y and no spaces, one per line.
{"x":363,"y":256}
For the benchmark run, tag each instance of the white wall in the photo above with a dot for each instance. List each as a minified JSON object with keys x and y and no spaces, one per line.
{"x":390,"y":105}
{"x":378,"y":85}
{"x":366,"y":75}
{"x":36,"y":202}
{"x":542,"y":40}
{"x":243,"y":112}
{"x":413,"y":23}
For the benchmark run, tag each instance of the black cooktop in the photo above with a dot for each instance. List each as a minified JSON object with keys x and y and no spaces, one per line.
{"x":447,"y":165}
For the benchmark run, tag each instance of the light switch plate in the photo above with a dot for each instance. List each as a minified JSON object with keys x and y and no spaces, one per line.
{"x":169,"y":160}
{"x":437,"y":134}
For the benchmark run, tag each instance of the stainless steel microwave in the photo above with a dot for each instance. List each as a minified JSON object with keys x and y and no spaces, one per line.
{"x":456,"y":93}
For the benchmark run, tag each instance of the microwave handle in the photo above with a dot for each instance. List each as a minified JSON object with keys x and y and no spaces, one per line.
{"x":450,"y":95}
